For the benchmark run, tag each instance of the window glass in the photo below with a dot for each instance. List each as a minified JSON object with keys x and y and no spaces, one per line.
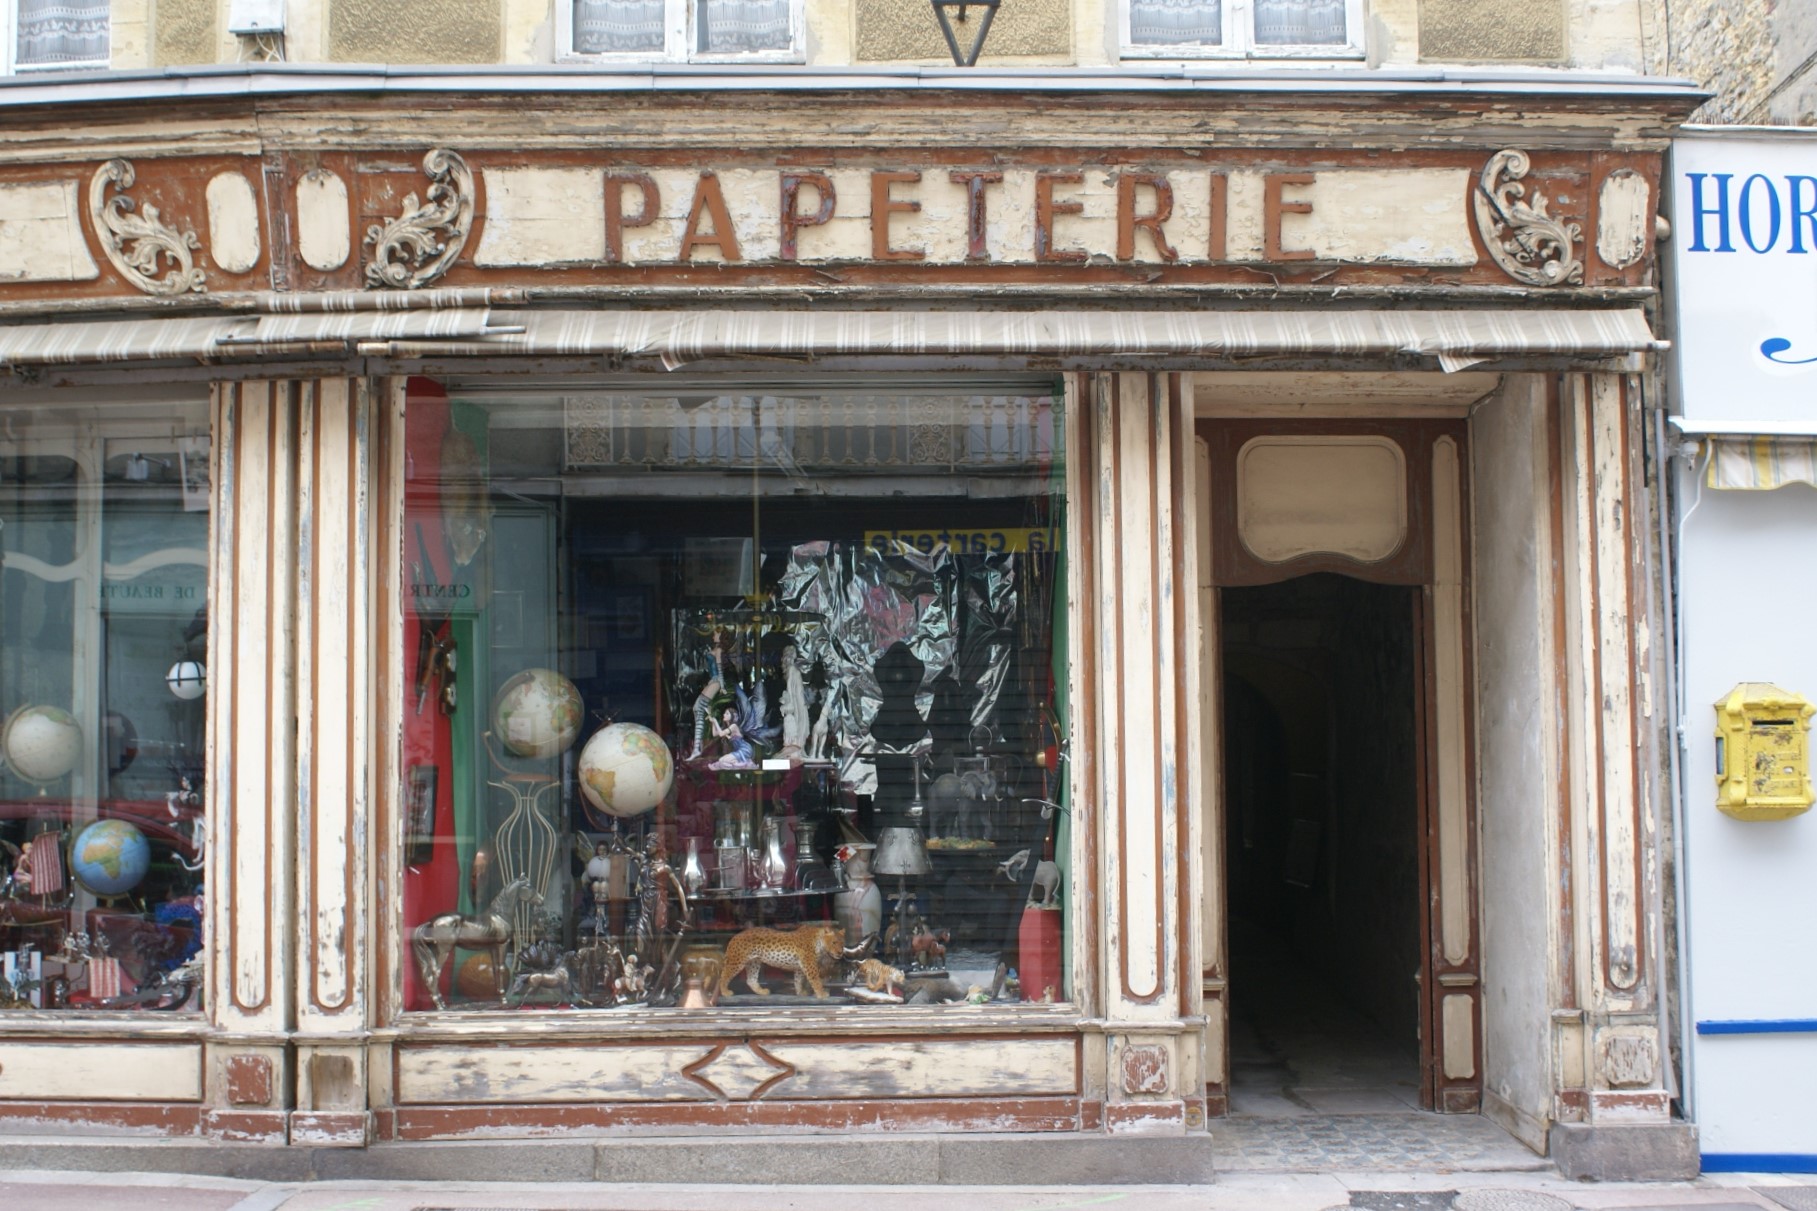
{"x":740,"y":26}
{"x":734,"y":696}
{"x":104,"y":518}
{"x":1176,"y":22}
{"x":1300,"y":22}
{"x":55,"y":33}
{"x":604,"y":27}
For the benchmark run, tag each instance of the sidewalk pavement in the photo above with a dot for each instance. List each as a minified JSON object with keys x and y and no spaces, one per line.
{"x":38,"y":1190}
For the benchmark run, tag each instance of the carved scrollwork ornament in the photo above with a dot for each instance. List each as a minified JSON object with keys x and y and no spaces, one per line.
{"x":1529,"y":244}
{"x":419,"y":245}
{"x":152,"y":255}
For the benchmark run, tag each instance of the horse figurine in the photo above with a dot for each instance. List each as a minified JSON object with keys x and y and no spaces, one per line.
{"x":435,"y":940}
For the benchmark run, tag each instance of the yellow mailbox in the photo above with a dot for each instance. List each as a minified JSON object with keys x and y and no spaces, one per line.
{"x":1763,"y":752}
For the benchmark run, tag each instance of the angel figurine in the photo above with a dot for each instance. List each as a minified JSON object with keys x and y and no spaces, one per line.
{"x":719,"y":673}
{"x":740,"y":727}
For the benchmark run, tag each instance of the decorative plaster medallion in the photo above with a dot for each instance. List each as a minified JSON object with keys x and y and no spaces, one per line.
{"x":1144,"y":1068}
{"x":1622,"y":221}
{"x":419,"y":245}
{"x":1536,"y":249}
{"x":1629,"y":1060}
{"x":233,"y":223}
{"x":136,"y":244}
{"x":741,"y":1074}
{"x":324,"y":225}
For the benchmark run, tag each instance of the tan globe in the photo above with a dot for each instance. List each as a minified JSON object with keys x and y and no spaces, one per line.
{"x":537,"y":713}
{"x":625,"y":769}
{"x":41,"y":743}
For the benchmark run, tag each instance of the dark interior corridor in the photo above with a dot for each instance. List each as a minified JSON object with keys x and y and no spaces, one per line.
{"x":1321,"y":760}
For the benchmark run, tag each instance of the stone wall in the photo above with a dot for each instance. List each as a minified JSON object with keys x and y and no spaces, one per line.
{"x":1717,"y":43}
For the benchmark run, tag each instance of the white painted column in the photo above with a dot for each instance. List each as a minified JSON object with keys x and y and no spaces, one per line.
{"x":336,"y":665}
{"x":1610,"y":1066}
{"x":1138,"y":776}
{"x":251,"y":757}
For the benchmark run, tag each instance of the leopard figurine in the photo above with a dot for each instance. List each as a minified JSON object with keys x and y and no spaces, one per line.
{"x":801,"y":951}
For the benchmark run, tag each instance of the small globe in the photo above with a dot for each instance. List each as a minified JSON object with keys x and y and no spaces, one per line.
{"x":537,"y":713}
{"x":41,"y":743}
{"x":625,"y":769}
{"x":109,"y":857}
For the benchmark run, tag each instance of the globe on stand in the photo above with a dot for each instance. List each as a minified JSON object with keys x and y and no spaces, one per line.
{"x":41,"y":743}
{"x":537,"y":714}
{"x":625,"y":770}
{"x":109,"y":857}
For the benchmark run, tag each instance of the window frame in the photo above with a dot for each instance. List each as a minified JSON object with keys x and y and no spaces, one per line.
{"x":1239,"y":42}
{"x":9,"y":47}
{"x":681,"y":35}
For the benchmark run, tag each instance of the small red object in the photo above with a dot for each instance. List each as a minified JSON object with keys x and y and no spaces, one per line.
{"x":1039,"y":944}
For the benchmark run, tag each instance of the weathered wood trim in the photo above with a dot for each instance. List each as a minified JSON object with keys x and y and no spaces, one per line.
{"x":252,"y":703}
{"x":1083,"y":745}
{"x":334,"y":673}
{"x":95,"y":1071}
{"x":772,"y":1069}
{"x":856,"y":1116}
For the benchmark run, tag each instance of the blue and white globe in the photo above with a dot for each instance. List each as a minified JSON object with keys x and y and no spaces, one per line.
{"x":109,"y":857}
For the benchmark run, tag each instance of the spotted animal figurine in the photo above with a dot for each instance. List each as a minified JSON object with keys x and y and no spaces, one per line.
{"x":798,"y":951}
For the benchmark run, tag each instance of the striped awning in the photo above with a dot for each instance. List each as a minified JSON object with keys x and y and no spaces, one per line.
{"x":1761,"y":463}
{"x":1457,"y":339}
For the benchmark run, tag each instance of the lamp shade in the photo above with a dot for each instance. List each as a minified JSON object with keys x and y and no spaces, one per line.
{"x":187,"y":679}
{"x":901,"y":851}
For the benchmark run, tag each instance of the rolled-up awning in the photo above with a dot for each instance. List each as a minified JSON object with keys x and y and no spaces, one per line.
{"x":1457,"y":339}
{"x":1755,"y":456}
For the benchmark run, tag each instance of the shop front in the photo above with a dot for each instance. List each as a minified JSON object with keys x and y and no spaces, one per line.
{"x":773,"y":609}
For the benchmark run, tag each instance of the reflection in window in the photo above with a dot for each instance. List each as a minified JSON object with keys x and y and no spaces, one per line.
{"x":729,"y":697}
{"x":104,"y":516}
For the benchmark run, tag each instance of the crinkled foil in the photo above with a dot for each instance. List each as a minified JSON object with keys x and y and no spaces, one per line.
{"x":842,"y":606}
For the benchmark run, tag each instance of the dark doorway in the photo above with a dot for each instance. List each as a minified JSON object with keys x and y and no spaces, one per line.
{"x":1322,"y":756}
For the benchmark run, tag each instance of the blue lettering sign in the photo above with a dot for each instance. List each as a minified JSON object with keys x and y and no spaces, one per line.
{"x":1699,"y":211}
{"x":1747,"y":213}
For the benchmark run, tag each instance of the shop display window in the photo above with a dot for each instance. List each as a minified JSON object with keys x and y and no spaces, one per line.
{"x":731,"y":694}
{"x":104,"y":532}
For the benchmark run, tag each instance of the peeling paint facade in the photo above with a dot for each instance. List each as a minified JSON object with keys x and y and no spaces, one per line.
{"x":1387,"y":324}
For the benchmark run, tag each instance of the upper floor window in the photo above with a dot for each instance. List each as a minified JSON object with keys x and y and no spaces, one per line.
{"x":1259,"y":29}
{"x":681,"y":29}
{"x":48,"y":35}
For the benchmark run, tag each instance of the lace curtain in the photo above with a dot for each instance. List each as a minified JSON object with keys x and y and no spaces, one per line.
{"x":1176,"y":22}
{"x":731,"y":26}
{"x":606,"y":27}
{"x":56,"y":32}
{"x":1200,"y":22}
{"x":1299,"y":23}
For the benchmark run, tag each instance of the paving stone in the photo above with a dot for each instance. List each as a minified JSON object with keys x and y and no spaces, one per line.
{"x":1797,"y":1198}
{"x":1510,"y":1200}
{"x":1367,"y":1142}
{"x":1402,"y":1200}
